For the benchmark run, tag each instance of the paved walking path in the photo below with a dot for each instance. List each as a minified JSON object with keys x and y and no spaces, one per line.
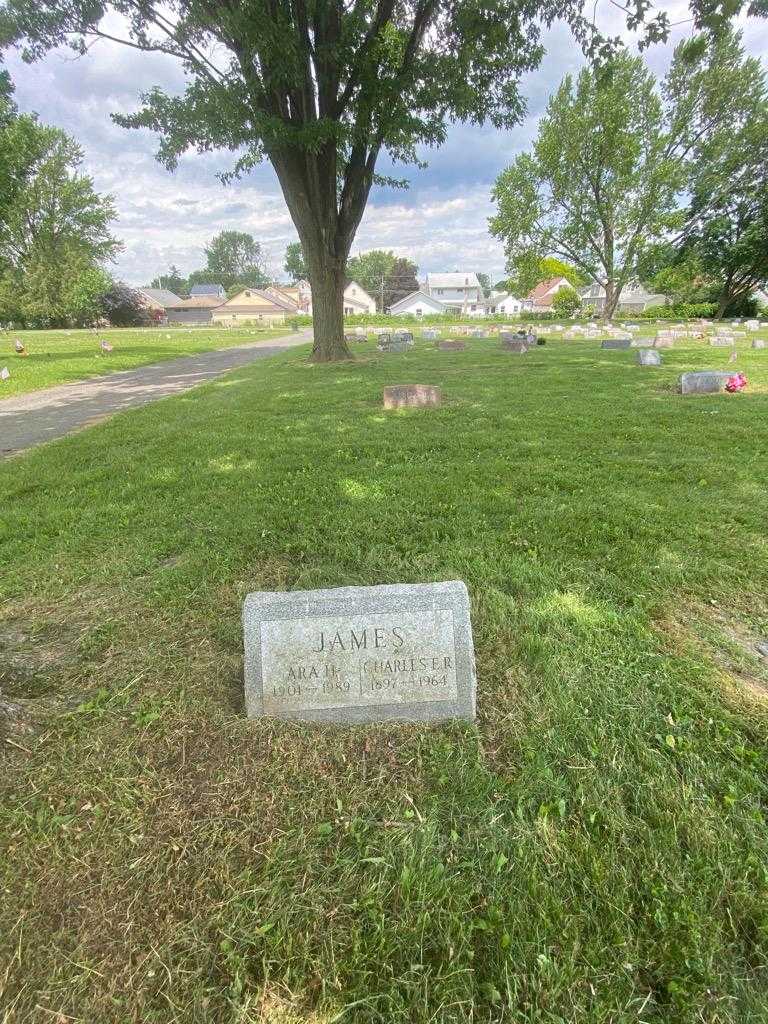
{"x":27,"y":420}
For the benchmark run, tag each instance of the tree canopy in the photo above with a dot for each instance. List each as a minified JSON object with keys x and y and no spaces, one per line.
{"x":295,"y":265}
{"x":235,"y":258}
{"x":726,"y":219}
{"x":370,"y":269}
{"x":400,"y":281}
{"x":173,"y":281}
{"x":322,"y":88}
{"x":613,"y":158}
{"x":528,"y":269}
{"x":55,"y":229}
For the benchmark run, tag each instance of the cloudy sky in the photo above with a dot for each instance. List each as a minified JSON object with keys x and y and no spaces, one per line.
{"x":440,"y":222}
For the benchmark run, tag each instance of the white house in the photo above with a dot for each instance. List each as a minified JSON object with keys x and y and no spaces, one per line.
{"x":418,"y":304}
{"x":504,"y":303}
{"x":633,"y":298}
{"x":356,"y":298}
{"x":457,"y":293}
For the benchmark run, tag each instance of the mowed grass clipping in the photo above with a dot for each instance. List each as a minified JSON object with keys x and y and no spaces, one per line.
{"x":62,"y":357}
{"x":593,"y":851}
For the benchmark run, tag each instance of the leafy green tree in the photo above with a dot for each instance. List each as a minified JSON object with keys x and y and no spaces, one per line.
{"x":400,"y":281}
{"x":611,"y":161}
{"x":54,"y":227}
{"x":370,"y":270}
{"x":485,"y":284}
{"x":529,"y":270}
{"x":294,"y":264}
{"x":666,"y":270}
{"x":726,"y":232}
{"x":321,"y":88}
{"x":173,"y":281}
{"x":54,"y":207}
{"x":61,"y":288}
{"x":235,"y":257}
{"x":566,"y":301}
{"x":732,"y":246}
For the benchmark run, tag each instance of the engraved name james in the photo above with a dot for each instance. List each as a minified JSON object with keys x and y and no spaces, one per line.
{"x":331,"y":663}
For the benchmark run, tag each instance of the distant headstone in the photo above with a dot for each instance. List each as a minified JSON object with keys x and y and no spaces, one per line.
{"x":514,"y":345}
{"x":758,"y":343}
{"x":415,"y":396}
{"x":430,"y":334}
{"x":617,"y":343}
{"x":648,"y":357}
{"x":721,"y":341}
{"x":360,"y":654}
{"x":400,"y":341}
{"x":703,"y":382}
{"x":451,"y":346}
{"x":664,"y":343}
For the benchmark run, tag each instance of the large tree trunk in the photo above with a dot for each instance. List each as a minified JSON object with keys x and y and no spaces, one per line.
{"x":611,"y":300}
{"x":309,"y":185}
{"x":326,"y":276}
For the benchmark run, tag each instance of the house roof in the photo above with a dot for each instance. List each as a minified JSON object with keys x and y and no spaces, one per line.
{"x":198,"y":302}
{"x":354,"y":300}
{"x":256,"y":299}
{"x":206,"y":289}
{"x":421,"y":296}
{"x":455,"y":280}
{"x":161,"y":296}
{"x":542,"y":294}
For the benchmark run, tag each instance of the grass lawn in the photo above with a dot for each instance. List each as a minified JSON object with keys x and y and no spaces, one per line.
{"x":593,"y":851}
{"x":60,"y":357}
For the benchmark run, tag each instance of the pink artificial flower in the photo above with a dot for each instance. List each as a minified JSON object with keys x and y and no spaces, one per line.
{"x":736,"y":383}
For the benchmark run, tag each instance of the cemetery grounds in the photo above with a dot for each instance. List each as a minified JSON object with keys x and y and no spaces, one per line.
{"x":594,"y":850}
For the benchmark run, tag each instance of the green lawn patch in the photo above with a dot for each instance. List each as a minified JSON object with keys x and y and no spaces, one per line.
{"x":61,"y":357}
{"x":593,"y":851}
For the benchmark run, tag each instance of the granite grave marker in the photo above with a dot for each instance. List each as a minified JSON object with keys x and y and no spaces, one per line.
{"x":414,"y":396}
{"x":648,"y":357}
{"x":703,"y":382}
{"x":360,"y":654}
